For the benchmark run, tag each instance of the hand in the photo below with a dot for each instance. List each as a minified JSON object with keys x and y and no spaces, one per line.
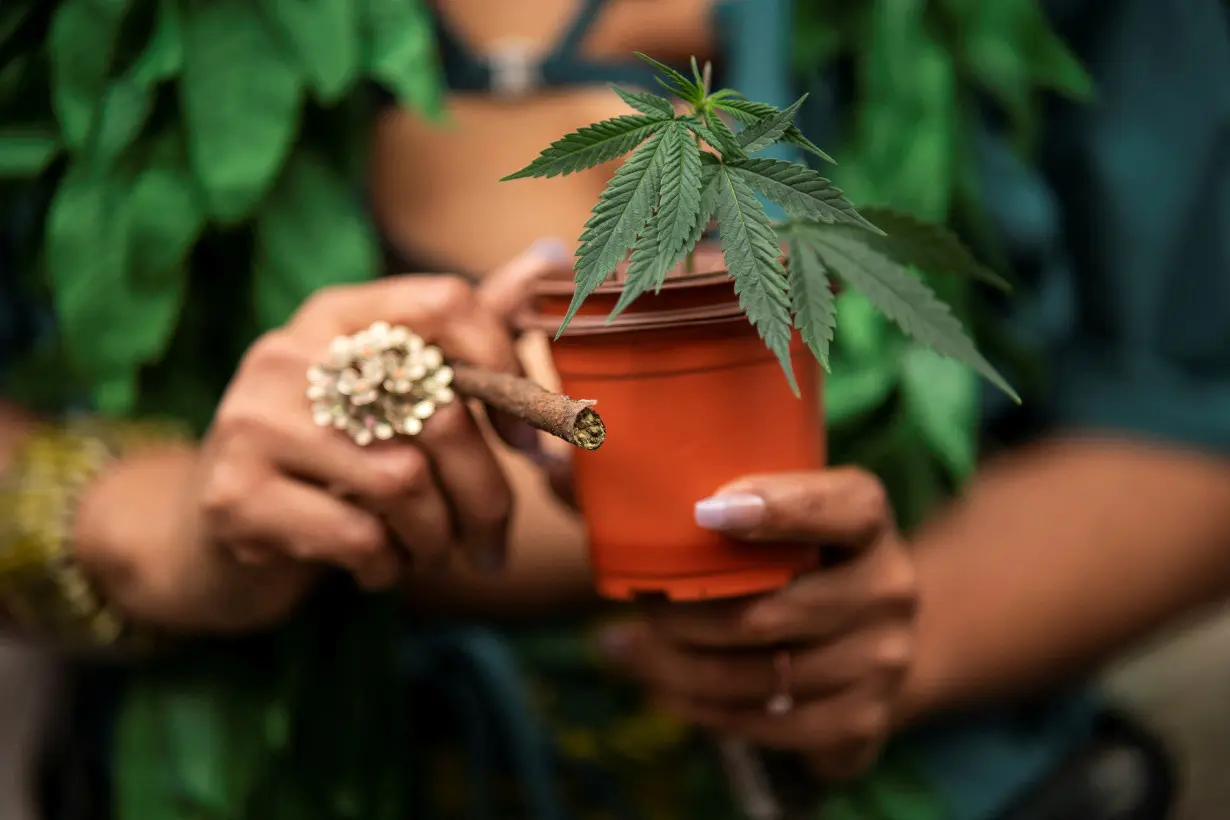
{"x":274,"y":485}
{"x":848,"y":631}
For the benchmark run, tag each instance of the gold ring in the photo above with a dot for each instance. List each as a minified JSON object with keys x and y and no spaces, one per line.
{"x":379,"y":383}
{"x":781,"y":702}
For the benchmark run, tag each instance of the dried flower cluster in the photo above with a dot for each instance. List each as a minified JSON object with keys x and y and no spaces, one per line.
{"x":378,"y":383}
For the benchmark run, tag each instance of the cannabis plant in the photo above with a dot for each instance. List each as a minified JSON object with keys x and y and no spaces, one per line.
{"x":663,"y":198}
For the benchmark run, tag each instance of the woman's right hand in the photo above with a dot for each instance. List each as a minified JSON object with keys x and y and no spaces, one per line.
{"x":273,"y":484}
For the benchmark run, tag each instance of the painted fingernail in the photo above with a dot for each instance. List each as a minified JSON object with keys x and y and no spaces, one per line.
{"x":550,"y":249}
{"x":733,"y":511}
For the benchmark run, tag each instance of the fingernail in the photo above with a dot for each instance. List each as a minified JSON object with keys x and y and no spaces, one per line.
{"x":550,"y":249}
{"x":733,"y":511}
{"x":614,"y":641}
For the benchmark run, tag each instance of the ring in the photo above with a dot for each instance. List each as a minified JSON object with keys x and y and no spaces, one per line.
{"x":781,"y":702}
{"x":379,"y":383}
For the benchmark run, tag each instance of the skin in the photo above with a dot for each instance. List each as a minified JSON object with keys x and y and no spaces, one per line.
{"x":231,"y":535}
{"x":1060,"y":556}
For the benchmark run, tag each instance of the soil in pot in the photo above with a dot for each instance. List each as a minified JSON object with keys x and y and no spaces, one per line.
{"x":692,"y":400}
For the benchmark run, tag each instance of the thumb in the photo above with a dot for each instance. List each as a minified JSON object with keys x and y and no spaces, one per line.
{"x":508,"y":290}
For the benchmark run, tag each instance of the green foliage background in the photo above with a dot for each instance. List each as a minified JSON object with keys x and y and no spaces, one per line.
{"x":922,"y":69}
{"x":188,"y":170}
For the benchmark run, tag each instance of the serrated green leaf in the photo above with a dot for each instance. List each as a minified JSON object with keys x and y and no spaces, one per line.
{"x":241,"y":100}
{"x":26,"y":152}
{"x":679,"y":199}
{"x":675,"y":82}
{"x":311,"y":233}
{"x":617,"y":219}
{"x":652,"y":259}
{"x":928,"y":246}
{"x":764,"y":133}
{"x":727,"y":142}
{"x":592,"y":145}
{"x":401,"y":52}
{"x":650,"y":105}
{"x":799,"y":190}
{"x":749,"y":246}
{"x":811,"y":298}
{"x":749,"y":114}
{"x":324,"y":37}
{"x":81,"y":44}
{"x":698,"y":127}
{"x":903,"y":297}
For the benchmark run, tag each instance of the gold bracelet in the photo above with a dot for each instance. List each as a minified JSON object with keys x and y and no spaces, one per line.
{"x":42,"y":586}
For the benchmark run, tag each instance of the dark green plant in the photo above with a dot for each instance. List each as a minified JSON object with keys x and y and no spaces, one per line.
{"x":662,"y":199}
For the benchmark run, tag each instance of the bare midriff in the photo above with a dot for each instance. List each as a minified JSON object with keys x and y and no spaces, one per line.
{"x":436,"y":186}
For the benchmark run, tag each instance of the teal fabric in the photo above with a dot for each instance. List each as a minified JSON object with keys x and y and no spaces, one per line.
{"x":1124,"y":232}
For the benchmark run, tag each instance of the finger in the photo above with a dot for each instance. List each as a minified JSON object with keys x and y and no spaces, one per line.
{"x":472,"y":482}
{"x":416,"y":511}
{"x":748,"y":679}
{"x":303,"y":522}
{"x":844,"y":506}
{"x":442,"y":309}
{"x":853,"y":717}
{"x":879,"y":585}
{"x":508,"y":291}
{"x":845,"y":763}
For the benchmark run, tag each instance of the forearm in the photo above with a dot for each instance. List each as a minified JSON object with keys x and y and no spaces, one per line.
{"x":131,"y":541}
{"x":152,"y":566}
{"x":1058,"y":558}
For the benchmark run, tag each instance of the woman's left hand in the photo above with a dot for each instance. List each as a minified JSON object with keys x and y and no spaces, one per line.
{"x":833,"y":647}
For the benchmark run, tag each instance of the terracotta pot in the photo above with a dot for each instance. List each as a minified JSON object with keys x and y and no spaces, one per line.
{"x":692,"y":399}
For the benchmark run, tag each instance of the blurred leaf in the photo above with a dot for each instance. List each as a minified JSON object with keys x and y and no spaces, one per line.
{"x":167,"y":214}
{"x":941,"y":397}
{"x":324,"y":37}
{"x":87,"y":257}
{"x":851,"y":392}
{"x":26,"y":152}
{"x":81,"y":44}
{"x":401,"y":51}
{"x":928,"y":246}
{"x":241,"y":101}
{"x":164,"y":53}
{"x":311,"y":233}
{"x":904,"y":149}
{"x":861,"y":329}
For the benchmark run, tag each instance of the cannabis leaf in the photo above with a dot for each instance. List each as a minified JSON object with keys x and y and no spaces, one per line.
{"x":900,"y":295}
{"x":727,"y":142}
{"x":649,"y":104}
{"x":679,"y":208}
{"x":928,"y":246}
{"x":799,"y":190}
{"x":763,"y":133}
{"x":750,"y":114}
{"x":653,"y":259}
{"x":591,"y":145}
{"x":660,"y":202}
{"x":749,"y":246}
{"x":811,"y":298}
{"x":621,"y":213}
{"x":676,"y":83}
